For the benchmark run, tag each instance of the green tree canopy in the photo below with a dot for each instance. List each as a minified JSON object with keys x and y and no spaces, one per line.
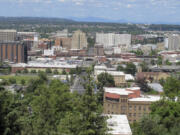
{"x":130,"y":69}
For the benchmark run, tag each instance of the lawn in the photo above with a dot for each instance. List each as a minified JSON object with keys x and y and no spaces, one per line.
{"x":18,"y":78}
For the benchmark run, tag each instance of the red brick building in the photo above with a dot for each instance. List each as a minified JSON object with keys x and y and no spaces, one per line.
{"x":13,"y":52}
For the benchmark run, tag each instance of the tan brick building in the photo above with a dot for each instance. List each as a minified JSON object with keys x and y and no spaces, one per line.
{"x":64,"y":42}
{"x":154,"y":76}
{"x":127,"y":101}
{"x":79,"y":40}
{"x":120,"y":78}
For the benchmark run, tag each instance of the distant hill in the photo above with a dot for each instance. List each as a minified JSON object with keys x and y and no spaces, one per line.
{"x":34,"y":20}
{"x":97,"y":19}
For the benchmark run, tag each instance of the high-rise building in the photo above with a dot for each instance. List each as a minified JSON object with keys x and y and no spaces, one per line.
{"x":79,"y":40}
{"x":13,"y":52}
{"x":174,"y":42}
{"x":8,"y":35}
{"x":64,"y":42}
{"x":112,"y":39}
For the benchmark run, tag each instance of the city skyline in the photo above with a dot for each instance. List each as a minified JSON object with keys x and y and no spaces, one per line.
{"x":135,"y":11}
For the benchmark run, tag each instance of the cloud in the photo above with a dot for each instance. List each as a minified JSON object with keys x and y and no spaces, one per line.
{"x":78,"y":2}
{"x":129,"y":5}
{"x":61,"y":0}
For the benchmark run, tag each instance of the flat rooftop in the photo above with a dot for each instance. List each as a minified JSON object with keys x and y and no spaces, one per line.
{"x":119,"y":91}
{"x":146,"y":98}
{"x":118,"y":125}
{"x":7,"y":30}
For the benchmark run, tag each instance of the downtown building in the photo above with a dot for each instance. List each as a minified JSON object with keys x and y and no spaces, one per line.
{"x":8,"y":35}
{"x":79,"y":40}
{"x":13,"y":51}
{"x":173,"y":42}
{"x":127,"y":101}
{"x":64,"y":42}
{"x":109,"y":40}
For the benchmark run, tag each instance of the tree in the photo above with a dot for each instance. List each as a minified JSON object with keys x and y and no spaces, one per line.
{"x":23,"y":81}
{"x":55,"y":72}
{"x":49,"y":108}
{"x":172,"y":88}
{"x":104,"y":80}
{"x":143,"y":85}
{"x":72,"y":71}
{"x":130,"y":69}
{"x":9,"y":114}
{"x":48,"y":70}
{"x":153,"y":62}
{"x":120,"y":68}
{"x":25,"y":71}
{"x":12,"y":80}
{"x":178,"y":63}
{"x":159,"y":61}
{"x":64,"y":72}
{"x":88,"y":113}
{"x":34,"y":83}
{"x":5,"y":82}
{"x":33,"y":71}
{"x":168,"y":63}
{"x":78,"y":70}
{"x":18,"y":71}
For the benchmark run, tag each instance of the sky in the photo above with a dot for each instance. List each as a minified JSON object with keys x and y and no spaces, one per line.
{"x":141,"y":11}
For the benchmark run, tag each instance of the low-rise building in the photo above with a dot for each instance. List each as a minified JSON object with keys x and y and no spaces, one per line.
{"x":152,"y":76}
{"x":44,"y":63}
{"x":127,"y":101}
{"x":120,"y":78}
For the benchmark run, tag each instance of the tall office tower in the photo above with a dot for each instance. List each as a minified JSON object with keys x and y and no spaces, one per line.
{"x":8,"y":35}
{"x":112,"y":39}
{"x":79,"y":40}
{"x":64,"y":42}
{"x":13,"y":52}
{"x":174,"y":42}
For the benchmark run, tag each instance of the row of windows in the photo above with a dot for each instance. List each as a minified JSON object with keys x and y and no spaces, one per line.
{"x":131,"y":107}
{"x":137,"y":114}
{"x":117,"y":106}
{"x":139,"y":108}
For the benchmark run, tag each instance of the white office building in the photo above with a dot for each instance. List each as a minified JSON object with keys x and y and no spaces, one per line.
{"x":111,"y":39}
{"x":174,"y":42}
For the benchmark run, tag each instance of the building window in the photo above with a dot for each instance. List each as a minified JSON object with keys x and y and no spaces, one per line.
{"x":129,"y":114}
{"x":130,"y":107}
{"x":123,"y":100}
{"x":123,"y":108}
{"x":144,"y":108}
{"x":139,"y":107}
{"x":135,"y":108}
{"x":134,"y":114}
